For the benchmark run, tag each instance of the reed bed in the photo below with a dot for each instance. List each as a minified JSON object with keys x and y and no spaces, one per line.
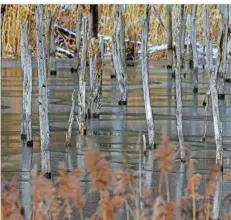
{"x":15,"y":15}
{"x":118,"y":191}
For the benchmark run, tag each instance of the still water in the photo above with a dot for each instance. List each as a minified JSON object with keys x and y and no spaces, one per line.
{"x":119,"y":129}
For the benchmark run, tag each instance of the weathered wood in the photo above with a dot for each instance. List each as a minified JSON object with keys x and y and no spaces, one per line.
{"x":93,"y":102}
{"x":42,"y":87}
{"x":145,"y":80}
{"x":26,"y":128}
{"x":170,"y":40}
{"x":82,"y":83}
{"x":212,"y":72}
{"x":52,"y":51}
{"x":178,"y":82}
{"x":119,"y":56}
{"x":194,"y":49}
{"x":70,"y":121}
{"x":222,"y":50}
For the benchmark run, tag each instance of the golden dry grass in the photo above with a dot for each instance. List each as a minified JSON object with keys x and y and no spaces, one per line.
{"x":16,"y":14}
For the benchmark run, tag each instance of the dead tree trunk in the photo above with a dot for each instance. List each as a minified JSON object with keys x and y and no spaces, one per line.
{"x":170,"y":41}
{"x":94,"y":104}
{"x":52,"y":51}
{"x":194,"y":49}
{"x":212,"y":72}
{"x":102,"y":48}
{"x":222,"y":50}
{"x":77,"y":39}
{"x":93,"y":22}
{"x":26,"y":131}
{"x":43,"y":99}
{"x":118,"y":55}
{"x":144,"y":63}
{"x":228,"y":67}
{"x":178,"y":82}
{"x":82,"y":83}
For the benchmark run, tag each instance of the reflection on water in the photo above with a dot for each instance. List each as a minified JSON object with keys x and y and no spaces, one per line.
{"x":118,"y":128}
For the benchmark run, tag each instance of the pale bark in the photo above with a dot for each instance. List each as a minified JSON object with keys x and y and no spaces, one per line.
{"x":222,"y":50}
{"x":43,"y":99}
{"x":93,"y":102}
{"x":170,"y":41}
{"x":189,"y":52}
{"x":47,"y":26}
{"x":26,"y":129}
{"x":178,"y":83}
{"x":119,"y":56}
{"x":145,"y":74}
{"x":82,"y":83}
{"x":194,"y":49}
{"x":70,"y":121}
{"x":212,"y":72}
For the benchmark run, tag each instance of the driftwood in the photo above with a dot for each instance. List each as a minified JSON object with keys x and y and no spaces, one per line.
{"x":194,"y":49}
{"x":222,"y":50}
{"x":212,"y":72}
{"x":43,"y":99}
{"x":93,"y":102}
{"x":144,"y":63}
{"x":178,"y":82}
{"x":119,"y":56}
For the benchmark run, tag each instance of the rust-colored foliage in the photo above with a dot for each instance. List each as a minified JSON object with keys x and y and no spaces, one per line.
{"x":165,"y":154}
{"x":97,"y":166}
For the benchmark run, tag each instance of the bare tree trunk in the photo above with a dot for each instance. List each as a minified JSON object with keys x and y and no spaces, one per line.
{"x":228,"y":67}
{"x":178,"y":82}
{"x":118,"y":55}
{"x":222,"y":50}
{"x":93,"y":21}
{"x":194,"y":49}
{"x":43,"y":99}
{"x":82,"y":83}
{"x":144,"y":63}
{"x":93,"y":103}
{"x":77,"y":39}
{"x":170,"y":41}
{"x":26,"y":128}
{"x":52,"y":51}
{"x":212,"y":72}
{"x":184,"y":19}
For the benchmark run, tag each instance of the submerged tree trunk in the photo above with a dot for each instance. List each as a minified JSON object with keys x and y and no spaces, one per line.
{"x":94,"y":104}
{"x":178,"y":82}
{"x":93,"y":21}
{"x":222,"y":50}
{"x":144,"y":63}
{"x":82,"y":83}
{"x":194,"y":49}
{"x":170,"y":41}
{"x":212,"y":72}
{"x":118,"y":55}
{"x":43,"y":99}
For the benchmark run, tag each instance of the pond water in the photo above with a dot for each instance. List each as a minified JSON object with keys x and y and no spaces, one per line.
{"x":119,"y":129}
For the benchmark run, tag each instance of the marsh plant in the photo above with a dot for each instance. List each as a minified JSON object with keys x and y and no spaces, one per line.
{"x":117,"y":190}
